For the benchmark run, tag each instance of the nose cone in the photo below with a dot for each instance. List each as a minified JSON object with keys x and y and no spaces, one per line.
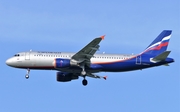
{"x":9,"y":62}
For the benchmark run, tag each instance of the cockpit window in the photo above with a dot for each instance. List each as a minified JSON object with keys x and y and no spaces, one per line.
{"x":16,"y":55}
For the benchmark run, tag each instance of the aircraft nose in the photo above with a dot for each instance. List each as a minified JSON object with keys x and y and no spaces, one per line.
{"x":9,"y":62}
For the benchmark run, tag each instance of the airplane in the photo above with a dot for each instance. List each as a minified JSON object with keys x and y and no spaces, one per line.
{"x":86,"y":63}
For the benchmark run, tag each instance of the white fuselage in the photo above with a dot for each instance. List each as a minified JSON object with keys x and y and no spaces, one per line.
{"x":45,"y":59}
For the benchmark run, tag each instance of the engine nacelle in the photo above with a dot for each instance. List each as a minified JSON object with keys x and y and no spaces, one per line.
{"x":65,"y":77}
{"x":63,"y":63}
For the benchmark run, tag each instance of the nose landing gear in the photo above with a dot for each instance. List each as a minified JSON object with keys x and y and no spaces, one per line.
{"x":27,"y":74}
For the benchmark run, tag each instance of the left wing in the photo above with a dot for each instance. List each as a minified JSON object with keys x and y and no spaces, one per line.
{"x":85,"y":54}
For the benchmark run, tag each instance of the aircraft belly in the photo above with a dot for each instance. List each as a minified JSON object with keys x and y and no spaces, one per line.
{"x":77,"y":70}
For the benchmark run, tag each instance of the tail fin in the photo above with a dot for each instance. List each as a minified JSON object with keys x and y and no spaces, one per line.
{"x":159,"y":45}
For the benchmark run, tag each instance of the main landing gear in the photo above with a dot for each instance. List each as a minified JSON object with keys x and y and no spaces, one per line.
{"x":84,"y":82}
{"x":27,"y":74}
{"x":83,"y":73}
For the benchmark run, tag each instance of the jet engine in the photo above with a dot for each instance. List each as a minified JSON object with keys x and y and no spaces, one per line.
{"x":63,"y":63}
{"x":65,"y":77}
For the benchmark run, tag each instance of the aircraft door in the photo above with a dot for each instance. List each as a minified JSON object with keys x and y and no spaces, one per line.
{"x":138,"y":60}
{"x":27,"y":56}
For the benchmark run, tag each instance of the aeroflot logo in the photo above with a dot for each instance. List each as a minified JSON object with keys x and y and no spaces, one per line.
{"x":61,"y":62}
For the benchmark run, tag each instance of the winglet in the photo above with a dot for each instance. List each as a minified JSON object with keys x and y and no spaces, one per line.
{"x":105,"y":77}
{"x":102,"y":37}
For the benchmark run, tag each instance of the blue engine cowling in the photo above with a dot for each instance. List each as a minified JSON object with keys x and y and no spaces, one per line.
{"x":61,"y":63}
{"x":64,"y":63}
{"x":65,"y":77}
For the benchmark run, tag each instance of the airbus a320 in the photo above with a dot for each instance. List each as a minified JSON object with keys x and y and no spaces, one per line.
{"x":86,"y":63}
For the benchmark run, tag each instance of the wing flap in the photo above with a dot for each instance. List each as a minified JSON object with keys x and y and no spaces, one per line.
{"x":96,"y":76}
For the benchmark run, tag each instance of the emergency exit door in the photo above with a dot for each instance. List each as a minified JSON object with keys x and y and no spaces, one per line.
{"x":27,"y":56}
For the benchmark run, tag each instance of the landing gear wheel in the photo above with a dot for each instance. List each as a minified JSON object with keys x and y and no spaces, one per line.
{"x":27,"y":76}
{"x":84,"y":82}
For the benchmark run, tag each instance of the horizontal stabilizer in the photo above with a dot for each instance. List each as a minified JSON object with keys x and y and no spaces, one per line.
{"x":162,"y":56}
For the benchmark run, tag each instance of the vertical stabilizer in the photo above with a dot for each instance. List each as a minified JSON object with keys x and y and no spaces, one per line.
{"x":160,"y":44}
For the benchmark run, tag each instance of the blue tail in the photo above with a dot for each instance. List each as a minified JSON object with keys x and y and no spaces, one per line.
{"x":159,"y":45}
